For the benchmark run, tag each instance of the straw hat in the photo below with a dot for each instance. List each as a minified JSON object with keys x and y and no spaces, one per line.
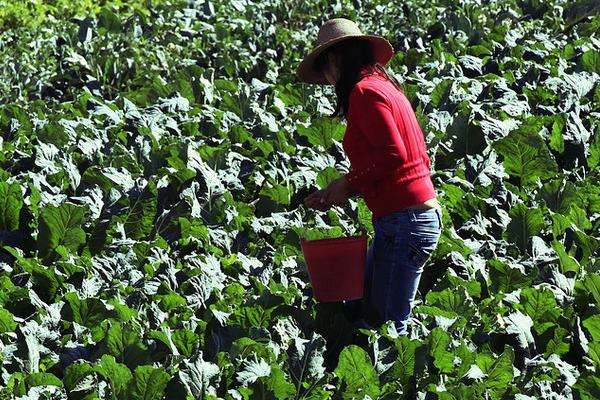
{"x":334,"y":31}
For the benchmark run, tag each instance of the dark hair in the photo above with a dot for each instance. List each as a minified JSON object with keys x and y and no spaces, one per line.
{"x":354,"y":54}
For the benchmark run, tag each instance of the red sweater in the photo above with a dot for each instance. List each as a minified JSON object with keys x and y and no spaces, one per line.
{"x":386,"y":148}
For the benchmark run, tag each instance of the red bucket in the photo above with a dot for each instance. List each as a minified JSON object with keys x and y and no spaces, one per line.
{"x":336,"y":267}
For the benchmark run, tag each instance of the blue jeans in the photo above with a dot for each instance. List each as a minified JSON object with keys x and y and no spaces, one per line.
{"x":403,"y":242}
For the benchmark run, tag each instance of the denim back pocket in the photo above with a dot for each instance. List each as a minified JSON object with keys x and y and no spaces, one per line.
{"x":423,"y":238}
{"x":421,"y":245}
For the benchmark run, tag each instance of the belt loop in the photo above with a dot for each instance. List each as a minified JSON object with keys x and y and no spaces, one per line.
{"x":411,"y":215}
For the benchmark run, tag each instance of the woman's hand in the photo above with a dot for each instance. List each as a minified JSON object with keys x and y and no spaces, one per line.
{"x":336,"y":194}
{"x":316,"y":200}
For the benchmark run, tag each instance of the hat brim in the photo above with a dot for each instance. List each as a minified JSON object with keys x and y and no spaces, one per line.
{"x":382,"y":49}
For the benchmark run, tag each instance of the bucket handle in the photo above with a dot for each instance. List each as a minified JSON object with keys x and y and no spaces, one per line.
{"x":312,"y":216}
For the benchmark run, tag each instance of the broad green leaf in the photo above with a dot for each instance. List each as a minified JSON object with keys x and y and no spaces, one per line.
{"x":525,"y":223}
{"x":322,"y":132}
{"x":540,"y":305}
{"x":117,"y":375}
{"x":560,"y":224}
{"x":559,"y":344}
{"x":557,"y":141}
{"x":326,"y":176}
{"x":558,"y":194}
{"x":75,"y":373}
{"x":443,"y":359}
{"x":124,"y":342}
{"x":526,"y":157}
{"x":592,"y":324}
{"x":588,"y":387}
{"x":11,"y":202}
{"x":594,"y":158}
{"x":278,"y":193}
{"x":591,"y":61}
{"x":139,"y":219}
{"x":244,"y":346}
{"x":403,"y":368}
{"x":7,"y":322}
{"x":356,"y":370}
{"x":186,"y":341}
{"x":467,"y":359}
{"x":279,"y":385}
{"x":364,"y":215}
{"x":449,"y":242}
{"x":434,"y":311}
{"x":472,"y":287}
{"x":471,"y":391}
{"x":46,"y":281}
{"x":466,"y":139}
{"x":586,"y":246}
{"x":88,"y":312}
{"x":579,"y":218}
{"x":440,"y":93}
{"x":15,"y":385}
{"x":290,"y":94}
{"x":566,"y":262}
{"x":247,"y":317}
{"x":149,"y":383}
{"x":109,"y":21}
{"x":61,"y":226}
{"x":592,"y":284}
{"x":451,"y":300}
{"x":10,"y":293}
{"x":170,"y":301}
{"x":594,"y":352}
{"x":458,"y":201}
{"x":504,"y":278}
{"x":42,"y":379}
{"x":182,"y":173}
{"x":500,"y":373}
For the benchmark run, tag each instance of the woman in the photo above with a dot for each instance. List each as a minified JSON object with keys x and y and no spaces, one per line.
{"x":389,"y":167}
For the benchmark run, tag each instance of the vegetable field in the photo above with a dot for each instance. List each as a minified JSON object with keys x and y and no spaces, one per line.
{"x":155,"y":155}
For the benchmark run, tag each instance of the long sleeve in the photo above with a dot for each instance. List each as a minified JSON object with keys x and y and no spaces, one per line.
{"x":370,"y":112}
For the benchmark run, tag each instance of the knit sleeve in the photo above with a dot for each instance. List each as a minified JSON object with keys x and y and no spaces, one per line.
{"x":371,"y":113}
